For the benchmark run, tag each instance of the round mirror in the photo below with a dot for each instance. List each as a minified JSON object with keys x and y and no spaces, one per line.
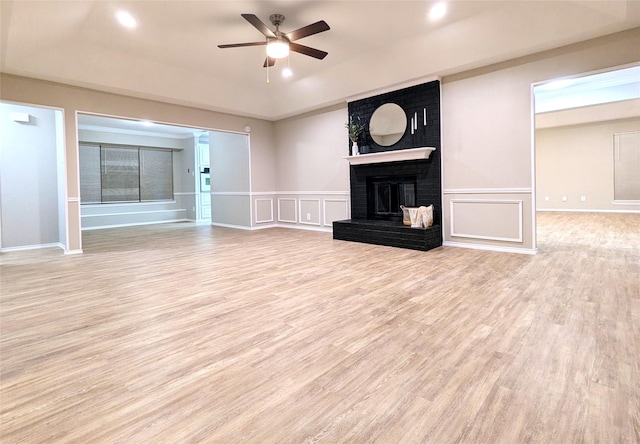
{"x":388,"y":124}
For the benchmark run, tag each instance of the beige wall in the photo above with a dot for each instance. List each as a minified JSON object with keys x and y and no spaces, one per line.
{"x":312,"y":187}
{"x":74,"y":99}
{"x":576,"y":161}
{"x":310,"y":150}
{"x":487,"y":136}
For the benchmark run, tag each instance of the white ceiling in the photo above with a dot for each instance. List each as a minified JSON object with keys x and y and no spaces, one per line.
{"x":172,"y":55}
{"x":611,"y":86}
{"x":90,"y":122}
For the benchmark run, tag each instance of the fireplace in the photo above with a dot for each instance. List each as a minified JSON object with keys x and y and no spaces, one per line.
{"x":377,"y":192}
{"x":407,"y":173}
{"x":386,"y":196}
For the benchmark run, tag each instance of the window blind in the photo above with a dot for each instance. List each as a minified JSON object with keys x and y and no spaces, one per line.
{"x":125,"y":174}
{"x":156,"y":174}
{"x":120,"y":174}
{"x":90,"y":183}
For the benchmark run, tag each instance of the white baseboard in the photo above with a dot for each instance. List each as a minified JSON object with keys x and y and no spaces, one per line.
{"x":264,"y":226}
{"x":495,"y":248}
{"x":32,"y":247}
{"x":307,"y":227}
{"x":237,"y":227}
{"x":566,"y":210}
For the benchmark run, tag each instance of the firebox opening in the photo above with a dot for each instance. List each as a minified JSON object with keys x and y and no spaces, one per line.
{"x":385,"y":195}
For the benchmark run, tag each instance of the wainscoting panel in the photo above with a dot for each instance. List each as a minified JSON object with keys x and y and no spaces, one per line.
{"x":309,"y":211}
{"x":495,"y":219}
{"x":263,"y":210}
{"x":287,"y":210}
{"x":490,"y":219}
{"x":334,"y":209}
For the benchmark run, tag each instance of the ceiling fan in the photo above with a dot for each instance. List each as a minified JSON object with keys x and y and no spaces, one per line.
{"x":279,"y":43}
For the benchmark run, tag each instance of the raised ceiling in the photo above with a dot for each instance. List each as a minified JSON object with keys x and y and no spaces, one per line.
{"x":172,"y":54}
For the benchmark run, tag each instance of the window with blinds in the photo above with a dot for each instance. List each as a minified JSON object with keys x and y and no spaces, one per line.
{"x":156,"y":174}
{"x":111,"y":174}
{"x":90,"y":183}
{"x":120,"y":174}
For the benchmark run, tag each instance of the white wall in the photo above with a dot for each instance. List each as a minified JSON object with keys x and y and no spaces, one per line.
{"x":488,"y":138}
{"x":29,"y":184}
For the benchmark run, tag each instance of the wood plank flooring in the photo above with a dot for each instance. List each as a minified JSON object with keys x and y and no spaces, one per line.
{"x":181,"y":333}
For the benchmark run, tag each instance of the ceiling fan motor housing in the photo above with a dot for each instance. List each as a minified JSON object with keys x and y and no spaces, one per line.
{"x":276,"y":19}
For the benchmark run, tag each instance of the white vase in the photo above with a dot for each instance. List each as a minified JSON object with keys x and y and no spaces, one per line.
{"x":354,"y":149}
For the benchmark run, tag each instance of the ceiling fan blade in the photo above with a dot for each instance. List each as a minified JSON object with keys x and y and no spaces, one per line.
{"x":257,"y":23}
{"x":312,"y":52}
{"x":239,"y":45}
{"x":269,"y":60}
{"x":308,"y":30}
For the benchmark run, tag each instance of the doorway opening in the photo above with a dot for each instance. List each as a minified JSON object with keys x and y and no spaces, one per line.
{"x":576,"y":124}
{"x":33,"y":196}
{"x":204,"y":191}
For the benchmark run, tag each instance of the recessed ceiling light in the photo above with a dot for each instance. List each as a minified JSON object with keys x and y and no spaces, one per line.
{"x":146,"y":123}
{"x":438,"y":11}
{"x":286,"y":72}
{"x":126,"y":19}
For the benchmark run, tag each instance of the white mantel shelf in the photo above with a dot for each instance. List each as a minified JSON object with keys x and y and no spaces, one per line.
{"x":391,"y":156}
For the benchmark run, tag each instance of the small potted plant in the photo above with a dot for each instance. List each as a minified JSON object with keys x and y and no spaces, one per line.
{"x":354,"y":130}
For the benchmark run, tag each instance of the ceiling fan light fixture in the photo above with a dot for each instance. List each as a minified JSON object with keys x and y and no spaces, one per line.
{"x":277,"y":48}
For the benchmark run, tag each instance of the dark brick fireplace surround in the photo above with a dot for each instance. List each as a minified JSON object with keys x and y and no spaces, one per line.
{"x":363,"y":227}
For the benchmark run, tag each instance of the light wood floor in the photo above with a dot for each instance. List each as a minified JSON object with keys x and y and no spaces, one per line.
{"x":183,"y":333}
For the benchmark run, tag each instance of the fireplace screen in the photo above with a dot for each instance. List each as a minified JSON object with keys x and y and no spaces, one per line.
{"x":386,"y":197}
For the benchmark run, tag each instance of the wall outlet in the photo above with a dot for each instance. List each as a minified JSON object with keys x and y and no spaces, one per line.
{"x":564,"y":198}
{"x":546,"y":198}
{"x":308,"y":216}
{"x":583,"y":199}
